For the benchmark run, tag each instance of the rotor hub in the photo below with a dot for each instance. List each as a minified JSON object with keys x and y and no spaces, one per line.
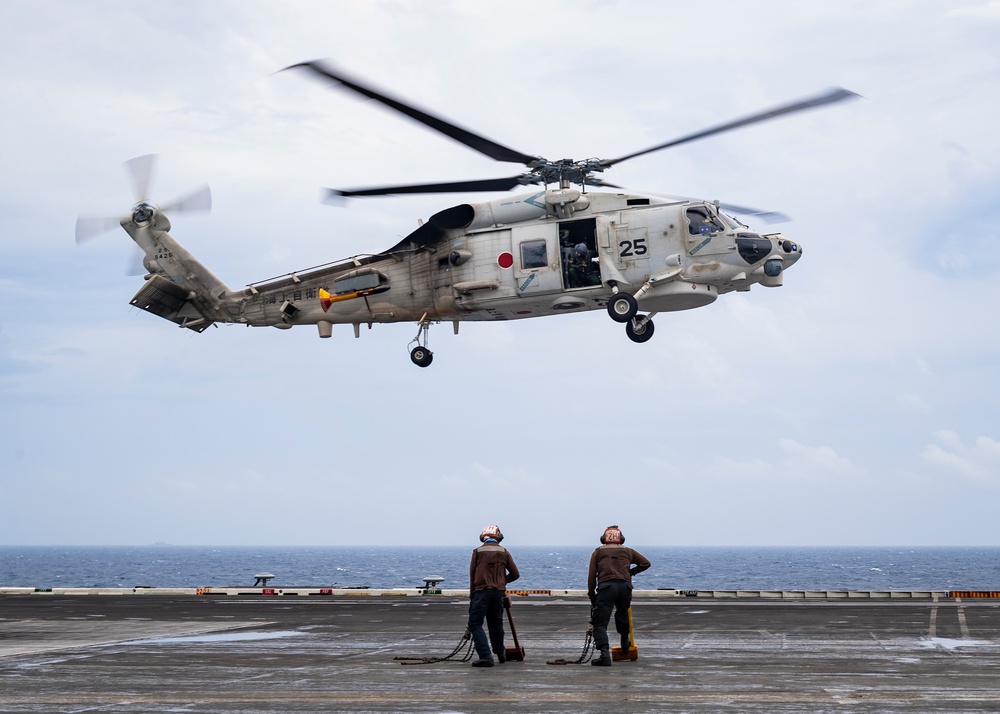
{"x":142,"y":212}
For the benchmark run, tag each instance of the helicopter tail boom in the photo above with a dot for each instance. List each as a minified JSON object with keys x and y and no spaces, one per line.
{"x":178,"y":287}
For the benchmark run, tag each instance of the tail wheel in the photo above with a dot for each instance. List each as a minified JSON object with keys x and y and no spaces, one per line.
{"x":639,"y":330}
{"x":622,"y":307}
{"x":421,"y":356}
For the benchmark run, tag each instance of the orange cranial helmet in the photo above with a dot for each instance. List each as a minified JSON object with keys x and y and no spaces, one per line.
{"x":491,"y":532}
{"x":612,"y":536}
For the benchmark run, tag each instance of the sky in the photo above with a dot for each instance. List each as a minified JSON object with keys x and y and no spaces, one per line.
{"x":858,"y":404}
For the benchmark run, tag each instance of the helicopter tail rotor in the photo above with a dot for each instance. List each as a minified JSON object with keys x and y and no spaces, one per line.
{"x":140,"y":171}
{"x":199,"y":200}
{"x":88,"y":227}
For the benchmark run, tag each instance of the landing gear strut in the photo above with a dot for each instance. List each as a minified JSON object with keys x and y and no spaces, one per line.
{"x":625,"y":308}
{"x":420,"y":355}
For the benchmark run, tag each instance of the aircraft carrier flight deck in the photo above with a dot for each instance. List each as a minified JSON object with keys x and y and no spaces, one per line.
{"x":288,"y":651}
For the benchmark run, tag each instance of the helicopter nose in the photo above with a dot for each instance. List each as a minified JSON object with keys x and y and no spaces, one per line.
{"x":792,"y":251}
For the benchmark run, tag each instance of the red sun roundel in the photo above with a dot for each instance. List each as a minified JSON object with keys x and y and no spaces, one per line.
{"x":505,"y":260}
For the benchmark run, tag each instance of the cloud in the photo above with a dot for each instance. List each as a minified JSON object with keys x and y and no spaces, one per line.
{"x":978,"y":462}
{"x":818,"y":459}
{"x":913,"y":403}
{"x":784,"y":461}
{"x":980,"y":11}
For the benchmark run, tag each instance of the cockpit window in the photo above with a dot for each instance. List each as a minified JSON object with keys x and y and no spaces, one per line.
{"x":752,"y":247}
{"x":534,"y":254}
{"x":701,"y":222}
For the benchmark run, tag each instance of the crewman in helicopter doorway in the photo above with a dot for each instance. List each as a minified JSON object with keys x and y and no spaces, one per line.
{"x":491,"y":568}
{"x":609,"y":586}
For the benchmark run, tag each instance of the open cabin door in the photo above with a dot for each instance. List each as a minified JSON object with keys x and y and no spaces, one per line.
{"x":578,"y":253}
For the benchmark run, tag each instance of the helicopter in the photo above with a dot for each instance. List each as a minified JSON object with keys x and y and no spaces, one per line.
{"x":555,"y":248}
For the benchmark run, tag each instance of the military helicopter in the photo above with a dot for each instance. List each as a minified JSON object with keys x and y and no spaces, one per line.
{"x":551,"y":250}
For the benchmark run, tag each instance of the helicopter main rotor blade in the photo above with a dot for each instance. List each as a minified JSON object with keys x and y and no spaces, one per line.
{"x":593,"y":181}
{"x":500,"y":184}
{"x":766,"y":216}
{"x":834,"y":95}
{"x":474,"y":141}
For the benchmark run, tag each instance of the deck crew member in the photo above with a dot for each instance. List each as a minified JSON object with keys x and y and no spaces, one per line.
{"x":491,"y":568}
{"x":609,"y":586}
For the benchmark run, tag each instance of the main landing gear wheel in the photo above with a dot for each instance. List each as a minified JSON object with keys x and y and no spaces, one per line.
{"x":622,"y":307}
{"x":639,"y":330}
{"x":421,"y":356}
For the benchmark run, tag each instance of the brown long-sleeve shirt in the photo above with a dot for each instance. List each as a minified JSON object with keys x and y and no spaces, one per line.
{"x":613,"y":562}
{"x":491,"y":567}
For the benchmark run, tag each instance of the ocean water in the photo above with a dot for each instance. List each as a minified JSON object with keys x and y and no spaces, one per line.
{"x":687,"y":568}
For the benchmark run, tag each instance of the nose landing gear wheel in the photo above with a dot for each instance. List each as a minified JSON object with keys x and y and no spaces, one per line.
{"x":421,"y":356}
{"x":622,"y":307}
{"x":639,"y":330}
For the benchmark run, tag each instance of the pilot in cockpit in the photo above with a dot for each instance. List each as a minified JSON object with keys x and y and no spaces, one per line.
{"x":700,"y":222}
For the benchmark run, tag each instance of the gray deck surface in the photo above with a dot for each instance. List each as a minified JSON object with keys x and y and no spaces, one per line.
{"x":320,"y":654}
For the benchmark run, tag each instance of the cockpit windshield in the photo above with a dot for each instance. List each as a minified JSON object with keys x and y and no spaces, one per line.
{"x":732,"y":222}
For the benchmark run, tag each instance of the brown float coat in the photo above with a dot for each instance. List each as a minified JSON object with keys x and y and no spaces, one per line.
{"x":491,"y":567}
{"x":612,"y":562}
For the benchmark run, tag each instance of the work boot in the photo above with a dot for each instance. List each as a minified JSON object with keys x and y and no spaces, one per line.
{"x":501,"y":656}
{"x":626,"y":643}
{"x":486,"y":661}
{"x":604,"y":660}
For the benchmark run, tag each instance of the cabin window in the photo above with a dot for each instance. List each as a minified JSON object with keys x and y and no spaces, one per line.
{"x":534,"y":254}
{"x":355,"y":282}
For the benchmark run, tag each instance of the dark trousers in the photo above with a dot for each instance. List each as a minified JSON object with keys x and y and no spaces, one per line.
{"x":611,"y":595}
{"x":487,"y":604}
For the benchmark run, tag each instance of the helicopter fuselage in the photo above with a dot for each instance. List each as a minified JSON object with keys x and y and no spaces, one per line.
{"x":532,"y":255}
{"x":524,"y":256}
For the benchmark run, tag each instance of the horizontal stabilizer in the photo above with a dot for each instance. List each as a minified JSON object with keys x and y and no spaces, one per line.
{"x":170,"y":301}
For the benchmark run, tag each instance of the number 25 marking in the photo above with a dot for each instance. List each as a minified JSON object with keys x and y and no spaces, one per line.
{"x":628,"y":248}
